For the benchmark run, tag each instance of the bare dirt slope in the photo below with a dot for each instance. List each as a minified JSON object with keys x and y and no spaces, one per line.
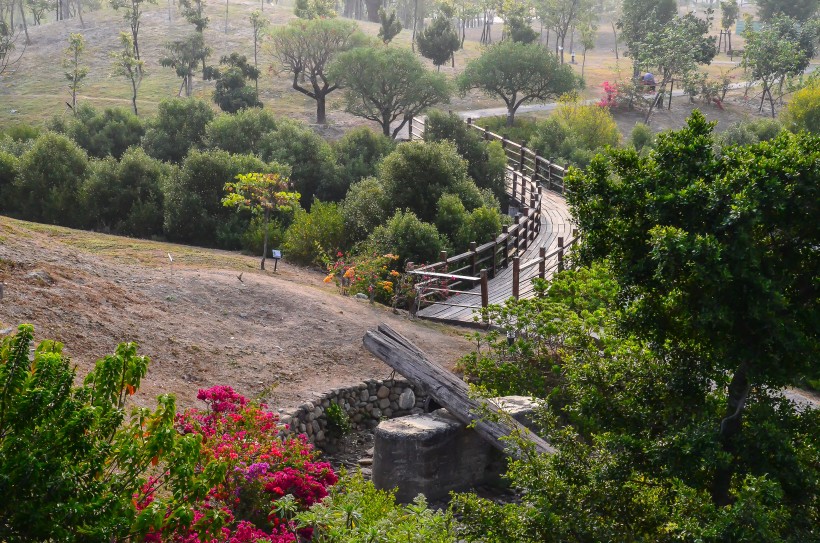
{"x":282,"y":336}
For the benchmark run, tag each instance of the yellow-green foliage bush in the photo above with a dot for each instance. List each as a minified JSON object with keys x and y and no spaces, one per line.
{"x":803,"y":112}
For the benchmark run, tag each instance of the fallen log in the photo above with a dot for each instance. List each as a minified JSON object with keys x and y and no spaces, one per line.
{"x":449,"y":391}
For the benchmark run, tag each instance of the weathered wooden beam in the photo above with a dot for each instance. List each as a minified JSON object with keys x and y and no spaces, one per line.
{"x":448,"y":390}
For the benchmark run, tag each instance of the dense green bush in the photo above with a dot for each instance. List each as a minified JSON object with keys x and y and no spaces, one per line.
{"x":407,"y":236}
{"x":355,"y":511}
{"x":486,"y":162}
{"x":739,"y":133}
{"x":240,"y":133}
{"x":102,"y":133}
{"x":178,"y":126}
{"x":575,"y":133}
{"x":126,"y":197}
{"x":358,"y":154}
{"x":316,"y":234}
{"x":8,"y":172}
{"x":520,"y":132}
{"x":365,"y":207}
{"x":47,"y":188}
{"x":417,"y":174}
{"x":193,"y":199}
{"x":641,"y":137}
{"x":313,"y":167}
{"x":20,"y":132}
{"x":253,"y":237}
{"x":451,"y":217}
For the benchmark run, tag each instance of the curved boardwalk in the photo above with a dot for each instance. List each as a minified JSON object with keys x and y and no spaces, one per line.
{"x":555,"y":222}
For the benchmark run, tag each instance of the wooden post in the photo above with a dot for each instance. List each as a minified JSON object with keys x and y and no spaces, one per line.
{"x":470,"y":120}
{"x":504,"y":143}
{"x":411,"y":128}
{"x":485,"y":289}
{"x":671,"y":88}
{"x":442,"y":257}
{"x":474,"y":258}
{"x":542,"y":265}
{"x":560,"y":253}
{"x":515,"y":185}
{"x":523,"y":190}
{"x":505,"y":230}
{"x":516,"y":274}
{"x":425,"y":128}
{"x":521,"y":158}
{"x":535,"y":168}
{"x":486,"y":134}
{"x":517,"y":234}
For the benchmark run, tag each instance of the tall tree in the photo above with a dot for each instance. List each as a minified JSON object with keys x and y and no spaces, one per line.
{"x":390,"y":26}
{"x":677,"y":49}
{"x":8,"y":47}
{"x":562,"y":16}
{"x":194,"y":13}
{"x":642,"y":19}
{"x":305,"y":49}
{"x":781,"y":49}
{"x":518,"y":73}
{"x":232,"y":91}
{"x":716,"y":257}
{"x":127,"y":65}
{"x":132,"y":13}
{"x":439,"y":40}
{"x":802,"y":10}
{"x":729,"y":10}
{"x":76,"y":72}
{"x":259,"y":23}
{"x":262,"y":194}
{"x":387,"y":84}
{"x":185,"y":56}
{"x":314,"y":9}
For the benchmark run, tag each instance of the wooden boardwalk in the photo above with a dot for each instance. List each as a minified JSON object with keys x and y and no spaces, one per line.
{"x":555,"y":222}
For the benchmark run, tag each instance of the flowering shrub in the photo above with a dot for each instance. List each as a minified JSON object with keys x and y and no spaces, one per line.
{"x":373,"y":275}
{"x":610,"y":98}
{"x":269,"y":478}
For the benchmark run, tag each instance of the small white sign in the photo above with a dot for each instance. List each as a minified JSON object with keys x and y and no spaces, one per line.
{"x":276,"y":253}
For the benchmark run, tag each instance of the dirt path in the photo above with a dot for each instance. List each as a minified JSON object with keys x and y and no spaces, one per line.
{"x":284,"y":337}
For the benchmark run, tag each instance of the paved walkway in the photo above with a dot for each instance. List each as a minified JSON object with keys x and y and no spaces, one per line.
{"x":555,"y":222}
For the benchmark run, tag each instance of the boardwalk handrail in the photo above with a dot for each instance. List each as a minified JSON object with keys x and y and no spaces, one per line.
{"x":528,"y":175}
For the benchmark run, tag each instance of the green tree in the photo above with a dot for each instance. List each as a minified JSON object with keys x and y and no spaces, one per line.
{"x":782,"y":48}
{"x":729,"y":10}
{"x":184,"y":56}
{"x":310,"y":157}
{"x":232,"y":91}
{"x":417,"y":174}
{"x":8,"y":45}
{"x":802,"y":10}
{"x":258,"y":23}
{"x":563,"y":16}
{"x":803,"y":111}
{"x":439,"y":40}
{"x":132,"y":13}
{"x":366,"y":206}
{"x":125,"y":197}
{"x":314,"y":9}
{"x":641,"y":19}
{"x":48,"y":185}
{"x":358,"y":154}
{"x":407,"y":236}
{"x":677,"y":50}
{"x":306,"y":48}
{"x":387,"y":84}
{"x":9,"y":165}
{"x":193,"y":199}
{"x":517,"y":73}
{"x":688,"y":233}
{"x":76,"y":463}
{"x":390,"y":26}
{"x":262,"y":194}
{"x":128,"y":65}
{"x":486,"y":162}
{"x":194,"y":13}
{"x":76,"y":72}
{"x":178,"y":126}
{"x":104,"y":133}
{"x":241,"y":132}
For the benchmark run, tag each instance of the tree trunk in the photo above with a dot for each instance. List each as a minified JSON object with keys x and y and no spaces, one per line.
{"x":265,"y":239}
{"x":730,"y":427}
{"x":615,"y":34}
{"x":23,"y":19}
{"x":510,"y":115}
{"x":226,"y":16}
{"x":415,"y":20}
{"x":80,"y":13}
{"x":451,"y":392}
{"x":385,"y":124}
{"x":320,"y":108}
{"x":134,"y":95}
{"x":373,"y":10}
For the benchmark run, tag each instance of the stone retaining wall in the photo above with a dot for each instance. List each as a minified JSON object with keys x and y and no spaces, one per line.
{"x":366,"y":404}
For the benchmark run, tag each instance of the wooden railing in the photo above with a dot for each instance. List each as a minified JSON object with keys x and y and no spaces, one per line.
{"x":528,"y":175}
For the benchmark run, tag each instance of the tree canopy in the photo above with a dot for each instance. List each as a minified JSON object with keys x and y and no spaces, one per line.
{"x":802,"y":10}
{"x":388,"y":84}
{"x":517,"y":73}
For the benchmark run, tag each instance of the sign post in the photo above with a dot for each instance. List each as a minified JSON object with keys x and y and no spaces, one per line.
{"x":276,"y":254}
